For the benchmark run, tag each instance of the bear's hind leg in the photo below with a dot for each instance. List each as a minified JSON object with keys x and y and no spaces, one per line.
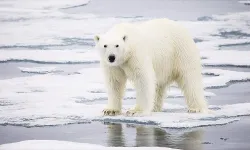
{"x":191,"y":84}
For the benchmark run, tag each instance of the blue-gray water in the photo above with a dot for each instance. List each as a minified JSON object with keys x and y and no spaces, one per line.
{"x":173,"y":9}
{"x":231,"y":136}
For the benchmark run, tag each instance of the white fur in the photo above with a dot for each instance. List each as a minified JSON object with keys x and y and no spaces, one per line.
{"x":153,"y":55}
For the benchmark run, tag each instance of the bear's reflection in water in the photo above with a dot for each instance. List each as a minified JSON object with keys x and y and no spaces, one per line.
{"x":148,"y":136}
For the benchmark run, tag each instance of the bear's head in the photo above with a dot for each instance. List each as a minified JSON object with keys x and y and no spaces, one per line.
{"x":112,"y":47}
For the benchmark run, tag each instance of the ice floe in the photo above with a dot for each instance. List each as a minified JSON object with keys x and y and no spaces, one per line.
{"x":79,"y":98}
{"x":47,"y":113}
{"x":245,"y":2}
{"x":226,"y":58}
{"x":40,"y":70}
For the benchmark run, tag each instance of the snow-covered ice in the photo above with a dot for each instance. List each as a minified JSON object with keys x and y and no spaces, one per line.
{"x":40,"y":70}
{"x":79,"y":98}
{"x":65,"y":145}
{"x":222,"y":78}
{"x":68,"y":112}
{"x":245,"y":2}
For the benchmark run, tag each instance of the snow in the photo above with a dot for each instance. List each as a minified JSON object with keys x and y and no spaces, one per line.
{"x":56,"y":99}
{"x":224,"y":77}
{"x":245,"y":2}
{"x":57,"y":30}
{"x":68,"y":112}
{"x":44,"y":23}
{"x":40,"y":70}
{"x":231,"y":58}
{"x":65,"y":145}
{"x":47,"y":28}
{"x":178,"y":118}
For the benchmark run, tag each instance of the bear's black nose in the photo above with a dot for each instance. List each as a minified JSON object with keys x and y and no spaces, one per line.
{"x":111,"y":58}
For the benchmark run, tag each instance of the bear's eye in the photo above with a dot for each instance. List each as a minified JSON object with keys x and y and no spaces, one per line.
{"x":117,"y":46}
{"x":105,"y":46}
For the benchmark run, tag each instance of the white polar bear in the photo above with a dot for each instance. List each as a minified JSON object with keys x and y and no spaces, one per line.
{"x":152,"y":54}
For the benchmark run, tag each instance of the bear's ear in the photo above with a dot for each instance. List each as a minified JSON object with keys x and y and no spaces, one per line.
{"x":96,"y":38}
{"x":124,"y":38}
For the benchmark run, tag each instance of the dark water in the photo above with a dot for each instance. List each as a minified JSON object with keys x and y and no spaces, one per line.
{"x":241,"y":47}
{"x":173,"y":9}
{"x":235,"y":93}
{"x":11,"y":70}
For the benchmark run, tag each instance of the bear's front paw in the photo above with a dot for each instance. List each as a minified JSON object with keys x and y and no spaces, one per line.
{"x":137,"y":112}
{"x":111,"y":112}
{"x":134,"y":112}
{"x":156,"y":109}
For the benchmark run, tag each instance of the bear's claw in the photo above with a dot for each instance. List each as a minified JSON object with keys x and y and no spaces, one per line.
{"x":134,"y":113}
{"x":110,"y":112}
{"x":193,"y":111}
{"x":130,"y":113}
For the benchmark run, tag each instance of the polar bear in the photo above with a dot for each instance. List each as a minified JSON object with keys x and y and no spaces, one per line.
{"x":152,"y":55}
